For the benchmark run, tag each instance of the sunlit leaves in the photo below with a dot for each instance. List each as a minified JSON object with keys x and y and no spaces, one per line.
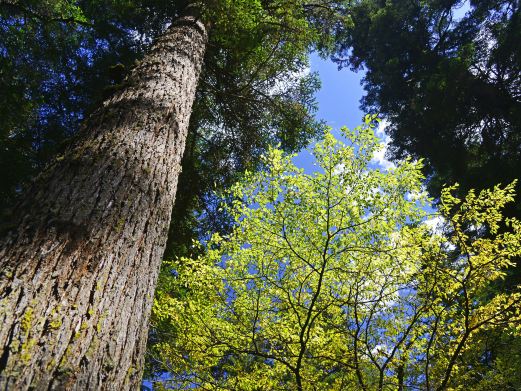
{"x":333,"y":280}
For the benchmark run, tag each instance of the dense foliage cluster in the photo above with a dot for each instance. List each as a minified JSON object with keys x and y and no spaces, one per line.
{"x":446,"y":74}
{"x":336,"y":280}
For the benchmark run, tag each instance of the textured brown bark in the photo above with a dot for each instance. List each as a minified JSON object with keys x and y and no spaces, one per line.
{"x":77,"y":275}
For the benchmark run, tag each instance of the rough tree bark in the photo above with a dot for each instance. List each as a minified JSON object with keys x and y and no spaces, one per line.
{"x":77,"y":274}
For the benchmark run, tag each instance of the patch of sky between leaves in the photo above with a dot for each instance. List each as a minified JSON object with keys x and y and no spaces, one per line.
{"x":460,"y":11}
{"x":338,"y":105}
{"x":340,"y":93}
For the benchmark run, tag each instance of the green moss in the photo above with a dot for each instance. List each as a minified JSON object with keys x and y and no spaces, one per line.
{"x":101,"y":319}
{"x":25,"y":357}
{"x":120,"y":225}
{"x":64,"y":362}
{"x":55,"y":324}
{"x":25,"y":353}
{"x":15,"y":345}
{"x":130,"y":371}
{"x":92,"y":348}
{"x":109,"y":364}
{"x":51,"y":364}
{"x":26,"y":321}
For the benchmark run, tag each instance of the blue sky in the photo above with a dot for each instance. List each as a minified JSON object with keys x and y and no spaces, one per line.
{"x":338,"y":102}
{"x":339,"y":105}
{"x":339,"y":97}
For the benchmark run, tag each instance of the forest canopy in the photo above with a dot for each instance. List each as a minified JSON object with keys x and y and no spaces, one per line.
{"x":61,"y":59}
{"x":153,"y":218}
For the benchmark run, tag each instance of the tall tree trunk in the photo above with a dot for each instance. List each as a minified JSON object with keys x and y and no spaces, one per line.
{"x":77,"y":275}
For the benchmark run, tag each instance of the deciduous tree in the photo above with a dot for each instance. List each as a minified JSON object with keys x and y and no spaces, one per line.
{"x":335,"y":280}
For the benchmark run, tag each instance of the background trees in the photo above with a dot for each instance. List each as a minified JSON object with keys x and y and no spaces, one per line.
{"x":334,"y":281}
{"x":55,"y":57}
{"x":446,"y":74}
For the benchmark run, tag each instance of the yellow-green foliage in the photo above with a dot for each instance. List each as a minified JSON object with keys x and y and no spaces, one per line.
{"x":336,"y":281}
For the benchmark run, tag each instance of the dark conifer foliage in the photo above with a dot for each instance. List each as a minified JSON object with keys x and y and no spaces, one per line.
{"x":54,"y":67}
{"x":59,"y":61}
{"x":447,"y":75}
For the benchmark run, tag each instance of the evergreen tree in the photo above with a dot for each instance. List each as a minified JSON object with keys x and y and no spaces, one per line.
{"x":447,"y":77}
{"x":80,"y":266}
